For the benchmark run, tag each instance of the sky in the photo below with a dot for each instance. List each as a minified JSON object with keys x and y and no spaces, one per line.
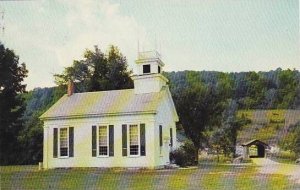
{"x":212,"y":35}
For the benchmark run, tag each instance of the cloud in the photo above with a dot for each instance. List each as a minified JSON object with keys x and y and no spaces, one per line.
{"x":49,"y":35}
{"x":97,"y":23}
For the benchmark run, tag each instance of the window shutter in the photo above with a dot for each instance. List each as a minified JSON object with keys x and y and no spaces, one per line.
{"x":124,"y":140}
{"x":160,"y":136}
{"x":55,"y":143}
{"x":171,"y":137}
{"x":143,"y":139}
{"x":94,"y":146}
{"x":111,"y":140}
{"x":71,"y":142}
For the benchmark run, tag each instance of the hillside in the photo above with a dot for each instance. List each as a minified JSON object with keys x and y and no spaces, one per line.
{"x":270,"y":126}
{"x":276,"y":89}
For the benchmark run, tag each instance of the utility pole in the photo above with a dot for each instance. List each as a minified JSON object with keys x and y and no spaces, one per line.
{"x":2,"y":27}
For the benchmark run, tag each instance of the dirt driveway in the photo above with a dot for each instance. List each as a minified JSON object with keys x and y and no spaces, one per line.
{"x":270,"y":167}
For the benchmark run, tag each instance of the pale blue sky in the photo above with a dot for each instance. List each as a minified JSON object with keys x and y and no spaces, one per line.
{"x":222,"y":35}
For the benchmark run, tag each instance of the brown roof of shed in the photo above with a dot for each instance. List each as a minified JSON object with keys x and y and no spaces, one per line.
{"x":254,"y":142}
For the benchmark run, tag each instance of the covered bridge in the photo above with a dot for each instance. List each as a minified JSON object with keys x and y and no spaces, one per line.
{"x":254,"y":149}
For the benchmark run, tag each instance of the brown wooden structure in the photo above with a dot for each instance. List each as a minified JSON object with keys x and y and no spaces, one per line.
{"x":254,"y":149}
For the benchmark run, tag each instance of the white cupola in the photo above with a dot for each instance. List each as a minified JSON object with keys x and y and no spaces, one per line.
{"x":149,"y":68}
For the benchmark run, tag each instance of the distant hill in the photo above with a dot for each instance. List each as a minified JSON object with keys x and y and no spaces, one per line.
{"x":275,"y":89}
{"x":42,"y":98}
{"x":270,"y":126}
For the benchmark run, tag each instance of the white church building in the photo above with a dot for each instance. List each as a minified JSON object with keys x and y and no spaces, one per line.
{"x":118,"y":128}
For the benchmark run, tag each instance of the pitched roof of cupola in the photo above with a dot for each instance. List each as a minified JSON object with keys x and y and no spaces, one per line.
{"x":149,"y":68}
{"x":149,"y":62}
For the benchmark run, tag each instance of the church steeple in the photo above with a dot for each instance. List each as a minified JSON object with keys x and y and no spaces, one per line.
{"x":149,"y":68}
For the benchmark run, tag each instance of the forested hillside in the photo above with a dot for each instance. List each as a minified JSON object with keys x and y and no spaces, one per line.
{"x":252,"y":90}
{"x":31,"y":137}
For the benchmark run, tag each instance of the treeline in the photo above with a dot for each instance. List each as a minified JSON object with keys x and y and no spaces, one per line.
{"x":276,"y":89}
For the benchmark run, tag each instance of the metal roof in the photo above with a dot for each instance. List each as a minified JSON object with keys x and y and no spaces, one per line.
{"x":254,"y":142}
{"x":115,"y":102}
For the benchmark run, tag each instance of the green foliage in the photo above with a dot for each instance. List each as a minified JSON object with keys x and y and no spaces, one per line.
{"x":284,"y":156}
{"x":97,"y":71}
{"x":200,"y":106}
{"x":256,"y":89}
{"x":251,"y":90}
{"x":31,"y":137}
{"x":268,"y":132}
{"x":223,"y":139}
{"x":291,"y":142}
{"x":12,"y":74}
{"x":214,"y":159}
{"x":184,"y":155}
{"x":287,"y":88}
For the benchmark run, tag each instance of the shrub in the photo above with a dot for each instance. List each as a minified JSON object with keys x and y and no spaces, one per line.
{"x":184,"y":155}
{"x":284,"y":156}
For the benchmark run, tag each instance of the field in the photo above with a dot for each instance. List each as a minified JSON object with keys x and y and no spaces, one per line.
{"x":270,"y":126}
{"x":203,"y":177}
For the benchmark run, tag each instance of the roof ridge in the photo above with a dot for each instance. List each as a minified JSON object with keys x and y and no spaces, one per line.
{"x":129,"y":89}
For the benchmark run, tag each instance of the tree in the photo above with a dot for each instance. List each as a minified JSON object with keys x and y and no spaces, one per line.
{"x":200,"y":107}
{"x":30,"y":138}
{"x":12,"y":75}
{"x":256,"y":89}
{"x":78,"y":73}
{"x":287,"y":88}
{"x":224,"y":138}
{"x":97,"y":71}
{"x":291,"y":141}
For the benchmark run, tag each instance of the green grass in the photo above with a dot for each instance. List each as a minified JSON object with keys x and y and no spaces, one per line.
{"x":245,"y":113}
{"x":269,"y":130}
{"x":204,"y":177}
{"x":273,"y":116}
{"x":276,"y":116}
{"x":214,"y":159}
{"x":286,"y":157}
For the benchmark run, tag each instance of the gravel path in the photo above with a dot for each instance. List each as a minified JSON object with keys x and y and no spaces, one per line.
{"x":271,"y":167}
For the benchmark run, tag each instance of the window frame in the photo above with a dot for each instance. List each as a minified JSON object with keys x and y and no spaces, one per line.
{"x":148,"y":65}
{"x":171,"y":137}
{"x":68,"y":145}
{"x":139,"y":140}
{"x":97,"y":140}
{"x":161,"y":139}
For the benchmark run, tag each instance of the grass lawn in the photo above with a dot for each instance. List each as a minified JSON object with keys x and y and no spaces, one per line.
{"x":204,"y":177}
